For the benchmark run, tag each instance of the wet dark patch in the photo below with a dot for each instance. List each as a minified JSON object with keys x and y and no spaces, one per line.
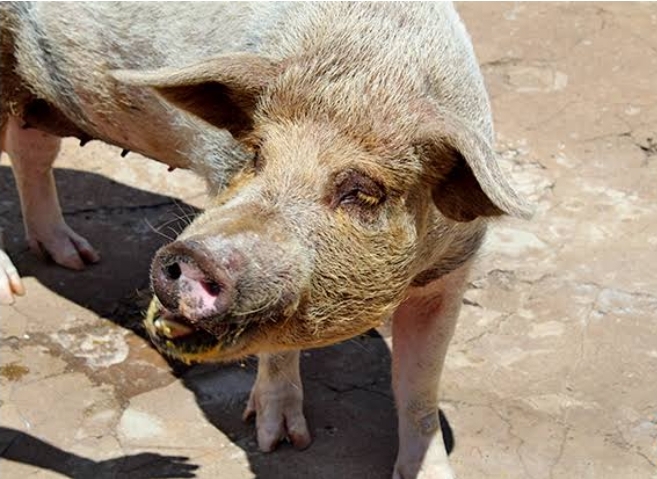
{"x":13,"y":371}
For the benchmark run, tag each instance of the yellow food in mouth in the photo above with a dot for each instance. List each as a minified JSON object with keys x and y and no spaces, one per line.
{"x":171,"y":329}
{"x":165,"y":324}
{"x":175,"y":337}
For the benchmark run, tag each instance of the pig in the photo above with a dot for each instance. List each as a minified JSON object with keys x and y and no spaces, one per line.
{"x":348,"y":153}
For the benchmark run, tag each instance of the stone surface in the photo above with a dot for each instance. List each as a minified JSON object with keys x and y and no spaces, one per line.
{"x":553,"y":369}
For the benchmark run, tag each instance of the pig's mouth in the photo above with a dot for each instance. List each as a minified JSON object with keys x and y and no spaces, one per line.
{"x":176,"y":336}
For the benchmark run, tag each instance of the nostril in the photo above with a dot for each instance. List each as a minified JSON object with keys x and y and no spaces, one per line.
{"x":211,"y":287}
{"x":173,"y":271}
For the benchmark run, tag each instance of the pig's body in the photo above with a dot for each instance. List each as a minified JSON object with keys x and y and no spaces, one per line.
{"x":63,"y":53}
{"x":355,"y":143}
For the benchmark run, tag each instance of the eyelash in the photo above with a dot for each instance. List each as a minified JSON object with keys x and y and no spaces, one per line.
{"x":359,"y":197}
{"x":365,"y":199}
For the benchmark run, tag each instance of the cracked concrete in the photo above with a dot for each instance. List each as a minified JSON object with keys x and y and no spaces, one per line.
{"x":552,"y":370}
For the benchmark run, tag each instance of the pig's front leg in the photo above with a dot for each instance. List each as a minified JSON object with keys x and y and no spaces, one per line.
{"x":422,"y":328}
{"x":32,"y":154}
{"x":277,"y":402}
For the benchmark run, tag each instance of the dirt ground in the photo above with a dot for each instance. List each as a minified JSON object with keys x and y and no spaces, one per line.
{"x":553,"y":371}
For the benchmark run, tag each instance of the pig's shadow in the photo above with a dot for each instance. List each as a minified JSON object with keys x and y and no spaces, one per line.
{"x":348,"y":401}
{"x":125,"y":224}
{"x":24,"y":448}
{"x":348,"y":405}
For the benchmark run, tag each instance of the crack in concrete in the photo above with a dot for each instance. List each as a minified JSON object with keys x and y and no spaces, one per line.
{"x":469,"y":302}
{"x":643,"y":455}
{"x":562,"y":448}
{"x":649,"y":147}
{"x":619,"y":440}
{"x":521,"y":441}
{"x":502,"y":62}
{"x":534,"y":126}
{"x":649,"y":150}
{"x":605,"y":136}
{"x":584,"y":333}
{"x":491,"y":329}
{"x":351,"y":388}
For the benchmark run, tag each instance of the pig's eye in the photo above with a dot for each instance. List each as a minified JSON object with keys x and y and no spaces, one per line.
{"x":356,"y":189}
{"x":361,"y":198}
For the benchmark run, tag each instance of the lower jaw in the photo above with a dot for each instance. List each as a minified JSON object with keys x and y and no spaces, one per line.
{"x":236,"y":342}
{"x":213,"y":354}
{"x":195,"y":347}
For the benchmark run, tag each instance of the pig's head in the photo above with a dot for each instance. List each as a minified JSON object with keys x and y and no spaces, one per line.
{"x":319,"y":237}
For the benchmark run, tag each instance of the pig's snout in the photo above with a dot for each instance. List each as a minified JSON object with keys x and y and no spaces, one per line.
{"x":188,"y":281}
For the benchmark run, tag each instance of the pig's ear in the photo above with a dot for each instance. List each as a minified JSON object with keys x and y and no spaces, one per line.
{"x":466,"y":179}
{"x":223,"y":91}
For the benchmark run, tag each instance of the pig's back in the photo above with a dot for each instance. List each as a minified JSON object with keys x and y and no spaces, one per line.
{"x":143,"y":35}
{"x":64,"y":51}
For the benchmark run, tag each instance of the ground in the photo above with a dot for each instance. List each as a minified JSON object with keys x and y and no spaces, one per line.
{"x":552,"y":370}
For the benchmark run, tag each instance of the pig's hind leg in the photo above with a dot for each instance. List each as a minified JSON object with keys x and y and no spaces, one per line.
{"x":277,"y":402}
{"x":422,"y":328}
{"x":32,"y":153}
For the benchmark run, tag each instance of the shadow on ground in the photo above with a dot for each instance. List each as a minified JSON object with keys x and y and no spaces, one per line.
{"x":21,"y":447}
{"x":348,"y":405}
{"x":125,"y":224}
{"x":348,"y":400}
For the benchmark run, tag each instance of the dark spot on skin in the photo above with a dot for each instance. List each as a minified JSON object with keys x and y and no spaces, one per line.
{"x":429,"y":424}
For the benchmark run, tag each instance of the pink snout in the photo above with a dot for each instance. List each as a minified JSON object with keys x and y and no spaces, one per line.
{"x":189,"y":281}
